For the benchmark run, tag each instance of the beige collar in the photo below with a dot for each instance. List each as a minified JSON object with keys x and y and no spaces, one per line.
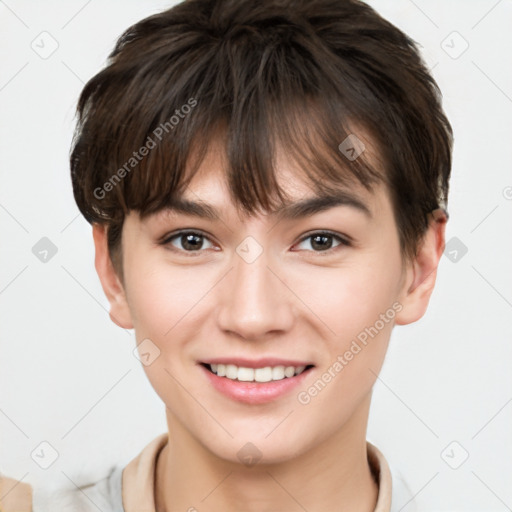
{"x":139,"y":477}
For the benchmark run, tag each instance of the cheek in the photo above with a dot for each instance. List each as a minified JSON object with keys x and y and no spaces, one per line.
{"x":358,"y":307}
{"x":163,"y":302}
{"x":358,"y":304}
{"x":168,"y":305}
{"x":351,"y":298}
{"x":162,"y":297}
{"x":361,"y":299}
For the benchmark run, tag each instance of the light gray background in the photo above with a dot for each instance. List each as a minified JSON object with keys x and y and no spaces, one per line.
{"x":67,"y":373}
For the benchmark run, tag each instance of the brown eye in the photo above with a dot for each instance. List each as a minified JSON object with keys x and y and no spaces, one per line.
{"x":186,"y":241}
{"x":323,"y":241}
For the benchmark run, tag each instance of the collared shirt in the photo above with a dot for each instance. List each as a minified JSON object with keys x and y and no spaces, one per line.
{"x":131,"y":489}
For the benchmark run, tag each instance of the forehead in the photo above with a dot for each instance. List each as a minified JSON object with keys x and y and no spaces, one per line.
{"x":208,"y":196}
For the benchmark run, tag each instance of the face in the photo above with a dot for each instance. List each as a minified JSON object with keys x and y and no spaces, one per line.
{"x":317,"y":293}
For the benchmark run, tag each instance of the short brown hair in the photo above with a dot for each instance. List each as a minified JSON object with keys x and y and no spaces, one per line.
{"x":293,"y":74}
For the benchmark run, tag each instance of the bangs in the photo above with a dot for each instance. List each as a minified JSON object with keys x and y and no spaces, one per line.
{"x":151,"y":141}
{"x":252,"y":148}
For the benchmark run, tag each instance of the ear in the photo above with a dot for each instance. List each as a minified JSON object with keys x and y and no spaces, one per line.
{"x":421,"y":273}
{"x":110,"y":282}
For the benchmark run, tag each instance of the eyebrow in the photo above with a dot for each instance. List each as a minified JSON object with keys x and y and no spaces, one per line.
{"x":317,"y":204}
{"x":299,"y":209}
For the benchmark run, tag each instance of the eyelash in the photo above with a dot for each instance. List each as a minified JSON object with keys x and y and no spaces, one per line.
{"x":344,"y":241}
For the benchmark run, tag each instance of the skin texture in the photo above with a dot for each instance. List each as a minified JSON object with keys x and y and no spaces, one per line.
{"x":294,"y":301}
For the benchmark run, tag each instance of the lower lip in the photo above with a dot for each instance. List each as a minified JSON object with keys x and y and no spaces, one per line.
{"x":254,"y":392}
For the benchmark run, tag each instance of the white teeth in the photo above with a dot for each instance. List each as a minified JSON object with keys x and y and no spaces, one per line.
{"x":245,"y":374}
{"x":278,"y":373}
{"x":266,"y":374}
{"x":263,"y":374}
{"x":231,"y":371}
{"x":289,"y":371}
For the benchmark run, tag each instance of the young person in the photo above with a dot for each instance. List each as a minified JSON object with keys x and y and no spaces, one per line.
{"x":267,"y":186}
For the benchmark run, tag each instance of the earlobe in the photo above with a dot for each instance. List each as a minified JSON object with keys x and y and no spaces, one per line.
{"x":119,"y":311}
{"x":422,"y":272}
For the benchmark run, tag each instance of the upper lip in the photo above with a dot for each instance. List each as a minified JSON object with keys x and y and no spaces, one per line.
{"x":256,"y":363}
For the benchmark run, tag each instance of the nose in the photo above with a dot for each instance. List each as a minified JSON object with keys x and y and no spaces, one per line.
{"x":254,"y":300}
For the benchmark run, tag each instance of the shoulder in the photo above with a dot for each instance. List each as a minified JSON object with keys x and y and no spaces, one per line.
{"x":402,"y":494}
{"x":15,"y":496}
{"x":394,"y":493}
{"x":129,"y":486}
{"x":103,"y":494}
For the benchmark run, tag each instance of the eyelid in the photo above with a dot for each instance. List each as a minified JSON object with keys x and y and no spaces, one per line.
{"x":342,"y":237}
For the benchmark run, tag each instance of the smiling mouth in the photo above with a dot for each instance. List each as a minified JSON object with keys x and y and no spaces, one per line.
{"x":265,"y":374}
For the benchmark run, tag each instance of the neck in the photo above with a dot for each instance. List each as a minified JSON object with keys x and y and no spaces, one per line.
{"x":332,"y":475}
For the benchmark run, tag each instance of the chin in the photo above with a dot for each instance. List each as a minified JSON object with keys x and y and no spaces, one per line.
{"x":254,"y":449}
